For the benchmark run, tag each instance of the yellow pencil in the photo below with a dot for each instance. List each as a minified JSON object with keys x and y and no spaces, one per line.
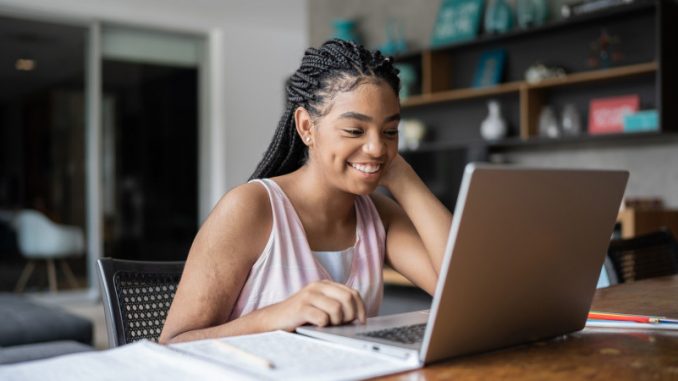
{"x":243,"y":355}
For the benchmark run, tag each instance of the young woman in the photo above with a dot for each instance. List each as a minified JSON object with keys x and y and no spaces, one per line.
{"x":305,"y":242}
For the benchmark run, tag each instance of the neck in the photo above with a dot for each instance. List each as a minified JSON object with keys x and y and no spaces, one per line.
{"x":314,"y":196}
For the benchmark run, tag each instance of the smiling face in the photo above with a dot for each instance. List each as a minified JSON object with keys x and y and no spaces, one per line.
{"x":355,"y":141}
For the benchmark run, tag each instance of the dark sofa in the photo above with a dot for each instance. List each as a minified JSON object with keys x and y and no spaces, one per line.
{"x":31,"y":331}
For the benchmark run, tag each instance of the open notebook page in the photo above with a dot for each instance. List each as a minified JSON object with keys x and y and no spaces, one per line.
{"x":297,"y":357}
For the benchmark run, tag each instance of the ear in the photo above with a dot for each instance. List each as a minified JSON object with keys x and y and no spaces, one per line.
{"x":304,"y":124}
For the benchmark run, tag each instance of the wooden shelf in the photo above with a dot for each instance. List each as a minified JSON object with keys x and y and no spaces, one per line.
{"x":461,"y":94}
{"x":438,"y":146}
{"x":521,"y":86}
{"x":582,"y":141}
{"x":597,"y":75}
{"x":536,"y":142}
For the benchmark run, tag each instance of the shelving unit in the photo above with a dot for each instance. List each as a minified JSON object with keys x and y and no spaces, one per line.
{"x":530,"y":96}
{"x":568,"y":80}
{"x":645,"y":27}
{"x":445,"y":101}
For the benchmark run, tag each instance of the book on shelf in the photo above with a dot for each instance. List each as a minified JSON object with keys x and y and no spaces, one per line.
{"x":606,"y":115}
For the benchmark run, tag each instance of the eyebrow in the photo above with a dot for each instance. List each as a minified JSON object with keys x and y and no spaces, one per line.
{"x":365,"y":118}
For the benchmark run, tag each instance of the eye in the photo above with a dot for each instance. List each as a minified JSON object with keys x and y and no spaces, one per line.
{"x":391,"y":132}
{"x":353,"y":131}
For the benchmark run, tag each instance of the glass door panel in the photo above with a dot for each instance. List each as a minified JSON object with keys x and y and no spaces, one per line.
{"x":150,"y":144}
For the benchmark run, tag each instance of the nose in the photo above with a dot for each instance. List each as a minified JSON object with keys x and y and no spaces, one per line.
{"x":375,"y":145}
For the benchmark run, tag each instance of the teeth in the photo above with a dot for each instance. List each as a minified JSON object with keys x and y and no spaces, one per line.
{"x":366,"y":168}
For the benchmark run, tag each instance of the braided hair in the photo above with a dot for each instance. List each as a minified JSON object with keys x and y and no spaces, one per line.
{"x":337,"y":66}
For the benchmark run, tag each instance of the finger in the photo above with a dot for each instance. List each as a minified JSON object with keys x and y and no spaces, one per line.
{"x":344,"y":297}
{"x":352,"y":304}
{"x":361,"y":310}
{"x":358,"y":305}
{"x":329,"y":305}
{"x":315,"y":316}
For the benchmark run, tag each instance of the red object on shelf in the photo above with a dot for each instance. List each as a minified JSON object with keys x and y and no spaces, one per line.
{"x":606,"y":115}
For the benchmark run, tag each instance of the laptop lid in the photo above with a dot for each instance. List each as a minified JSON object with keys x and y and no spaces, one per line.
{"x":523,"y":256}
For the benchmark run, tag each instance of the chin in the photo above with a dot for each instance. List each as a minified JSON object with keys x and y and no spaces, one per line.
{"x":363,"y":189}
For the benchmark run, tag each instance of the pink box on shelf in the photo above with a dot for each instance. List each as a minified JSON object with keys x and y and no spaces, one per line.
{"x":606,"y":115}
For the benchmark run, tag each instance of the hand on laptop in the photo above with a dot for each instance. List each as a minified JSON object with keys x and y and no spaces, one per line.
{"x":319,"y":303}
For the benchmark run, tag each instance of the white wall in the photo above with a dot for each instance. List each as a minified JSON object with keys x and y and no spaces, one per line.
{"x":254,"y":99}
{"x":260,"y":42}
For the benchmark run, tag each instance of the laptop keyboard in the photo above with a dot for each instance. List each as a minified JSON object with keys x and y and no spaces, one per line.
{"x":408,"y":334}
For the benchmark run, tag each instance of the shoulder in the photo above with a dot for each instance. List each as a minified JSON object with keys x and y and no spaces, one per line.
{"x":245,"y":211}
{"x":249,"y":201}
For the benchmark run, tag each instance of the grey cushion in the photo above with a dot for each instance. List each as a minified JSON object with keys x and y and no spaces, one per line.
{"x":29,"y":352}
{"x":23,"y":322}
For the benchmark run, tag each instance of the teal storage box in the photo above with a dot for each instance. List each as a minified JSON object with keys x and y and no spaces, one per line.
{"x":641,"y":121}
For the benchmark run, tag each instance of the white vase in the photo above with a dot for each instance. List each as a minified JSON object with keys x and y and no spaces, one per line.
{"x":570,"y":120}
{"x":494,"y":126}
{"x":548,"y":124}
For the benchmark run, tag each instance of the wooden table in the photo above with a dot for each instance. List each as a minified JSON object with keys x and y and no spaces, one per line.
{"x":591,"y":354}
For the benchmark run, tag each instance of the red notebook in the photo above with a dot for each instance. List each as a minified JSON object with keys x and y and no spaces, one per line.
{"x":606,"y":115}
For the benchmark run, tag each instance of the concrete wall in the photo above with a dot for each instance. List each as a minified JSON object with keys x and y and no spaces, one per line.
{"x":653,"y":166}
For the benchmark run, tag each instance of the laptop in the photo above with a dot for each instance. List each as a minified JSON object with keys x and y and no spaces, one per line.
{"x":521,"y":264}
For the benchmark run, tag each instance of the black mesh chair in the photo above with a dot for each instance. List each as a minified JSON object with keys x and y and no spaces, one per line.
{"x":136,"y":297}
{"x":645,"y":256}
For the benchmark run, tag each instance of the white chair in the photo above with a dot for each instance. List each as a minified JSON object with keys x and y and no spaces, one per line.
{"x":608,"y":277}
{"x":39,"y":238}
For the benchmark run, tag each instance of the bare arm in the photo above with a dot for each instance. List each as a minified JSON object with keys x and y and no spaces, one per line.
{"x":217,"y":268}
{"x":418,"y":226}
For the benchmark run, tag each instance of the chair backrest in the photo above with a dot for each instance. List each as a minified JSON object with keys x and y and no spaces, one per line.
{"x":38,"y":236}
{"x":136,"y":297}
{"x":33,"y":229}
{"x":645,"y":256}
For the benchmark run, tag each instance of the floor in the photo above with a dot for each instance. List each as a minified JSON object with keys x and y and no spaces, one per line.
{"x":396,"y":299}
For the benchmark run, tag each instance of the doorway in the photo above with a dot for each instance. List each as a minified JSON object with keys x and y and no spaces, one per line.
{"x":150,"y":160}
{"x":150,"y":82}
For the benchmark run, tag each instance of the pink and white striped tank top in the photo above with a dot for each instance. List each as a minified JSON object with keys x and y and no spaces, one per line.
{"x":287,"y":264}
